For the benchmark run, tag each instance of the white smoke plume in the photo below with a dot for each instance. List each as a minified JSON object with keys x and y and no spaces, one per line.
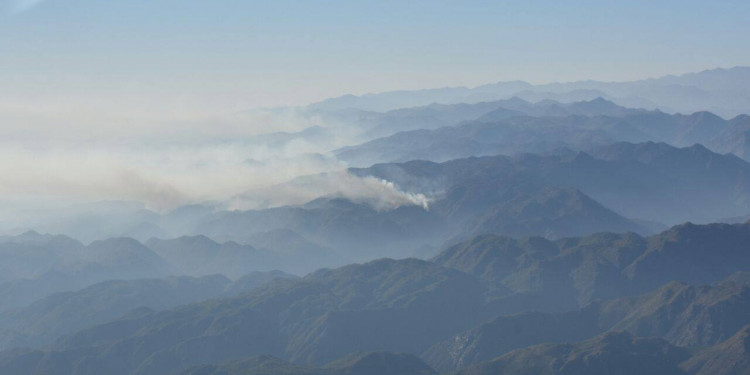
{"x":379,"y":193}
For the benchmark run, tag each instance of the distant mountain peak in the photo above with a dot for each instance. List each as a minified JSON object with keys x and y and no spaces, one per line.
{"x":740,"y":118}
{"x":30,"y":234}
{"x":199,"y":240}
{"x":699,"y":148}
{"x":117,"y":241}
{"x":600,"y":101}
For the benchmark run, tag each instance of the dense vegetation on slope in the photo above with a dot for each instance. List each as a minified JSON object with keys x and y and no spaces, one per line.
{"x":612,"y":353}
{"x":400,"y":306}
{"x":681,"y":314}
{"x":355,"y":364}
{"x":652,"y":181}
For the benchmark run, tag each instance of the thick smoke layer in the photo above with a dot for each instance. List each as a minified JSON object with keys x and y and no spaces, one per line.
{"x":163,"y":177}
{"x":241,"y":161}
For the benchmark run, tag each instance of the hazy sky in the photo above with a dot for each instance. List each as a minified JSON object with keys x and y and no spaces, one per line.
{"x":176,"y":58}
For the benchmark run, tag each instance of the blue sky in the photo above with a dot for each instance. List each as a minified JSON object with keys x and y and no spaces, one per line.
{"x":219,"y":55}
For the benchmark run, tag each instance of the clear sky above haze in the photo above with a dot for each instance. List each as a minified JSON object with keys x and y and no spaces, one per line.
{"x":173,"y":57}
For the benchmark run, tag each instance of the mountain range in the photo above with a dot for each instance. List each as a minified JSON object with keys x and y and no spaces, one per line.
{"x":718,"y":90}
{"x":399,"y":306}
{"x":355,"y":364}
{"x":647,"y":181}
{"x":679,"y":313}
{"x":43,"y":321}
{"x":546,"y":126}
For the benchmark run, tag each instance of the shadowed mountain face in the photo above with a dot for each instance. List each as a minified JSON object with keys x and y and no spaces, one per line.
{"x":731,"y":357}
{"x":552,"y":213}
{"x":621,"y":353}
{"x":506,"y":333}
{"x":358,"y":364}
{"x":500,"y":132}
{"x":576,"y":271}
{"x":261,"y":365}
{"x":683,"y":315}
{"x":63,"y":313}
{"x":652,"y":181}
{"x":49,"y":318}
{"x":735,"y":139}
{"x":612,"y":353}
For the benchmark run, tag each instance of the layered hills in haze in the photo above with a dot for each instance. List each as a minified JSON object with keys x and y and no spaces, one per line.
{"x":511,"y":228}
{"x":545,"y":126}
{"x":398,"y":306}
{"x":718,"y":90}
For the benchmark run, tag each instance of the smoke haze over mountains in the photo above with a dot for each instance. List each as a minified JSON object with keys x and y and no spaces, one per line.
{"x":244,"y":187}
{"x":171,"y":163}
